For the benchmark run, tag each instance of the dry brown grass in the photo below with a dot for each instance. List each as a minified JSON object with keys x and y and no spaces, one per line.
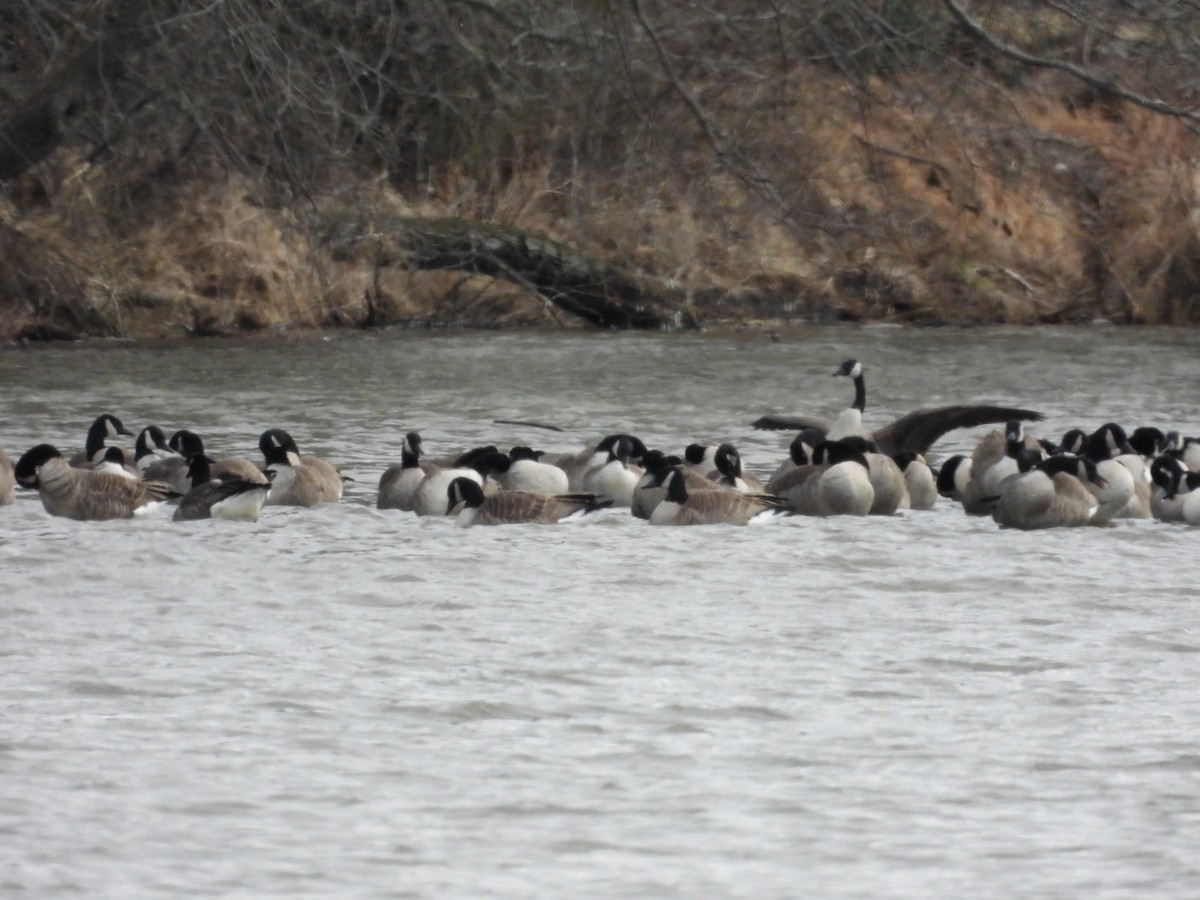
{"x":1079,"y":210}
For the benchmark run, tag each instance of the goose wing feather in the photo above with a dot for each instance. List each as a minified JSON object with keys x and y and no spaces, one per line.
{"x":787,"y":422}
{"x":108,"y":496}
{"x":920,"y":429}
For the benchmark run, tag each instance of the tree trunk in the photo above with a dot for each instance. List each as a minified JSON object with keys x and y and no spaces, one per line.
{"x":601,"y":294}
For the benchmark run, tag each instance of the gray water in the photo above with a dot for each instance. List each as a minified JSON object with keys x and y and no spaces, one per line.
{"x":343,"y":702}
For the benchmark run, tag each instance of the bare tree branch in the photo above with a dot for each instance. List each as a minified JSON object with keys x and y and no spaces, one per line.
{"x":1093,"y":79}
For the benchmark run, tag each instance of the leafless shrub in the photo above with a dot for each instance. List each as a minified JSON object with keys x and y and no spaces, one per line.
{"x":796,"y":139}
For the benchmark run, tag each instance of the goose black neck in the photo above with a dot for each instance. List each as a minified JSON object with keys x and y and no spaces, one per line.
{"x":96,"y":437}
{"x":677,"y":488}
{"x":199,"y":469}
{"x":860,"y":393}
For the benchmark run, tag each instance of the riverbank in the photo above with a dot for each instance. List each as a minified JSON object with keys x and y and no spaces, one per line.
{"x":1087,"y":212}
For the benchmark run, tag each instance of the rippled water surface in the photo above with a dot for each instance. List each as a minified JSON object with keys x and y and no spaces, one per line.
{"x":346,"y":702}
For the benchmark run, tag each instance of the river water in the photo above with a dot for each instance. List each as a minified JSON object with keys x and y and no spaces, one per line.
{"x":342,"y":702}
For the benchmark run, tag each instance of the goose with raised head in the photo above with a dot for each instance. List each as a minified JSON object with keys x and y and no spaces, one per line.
{"x":918,"y":480}
{"x":837,"y":482}
{"x":468,"y":503}
{"x":849,"y":422}
{"x":221,"y":498}
{"x":729,"y":471}
{"x":916,"y":431}
{"x":1048,"y":493}
{"x":995,"y":459}
{"x":399,"y":482}
{"x":103,"y":429}
{"x":616,"y":478}
{"x":7,"y":482}
{"x":527,"y":472}
{"x":84,"y":494}
{"x":300,"y":480}
{"x":710,"y":507}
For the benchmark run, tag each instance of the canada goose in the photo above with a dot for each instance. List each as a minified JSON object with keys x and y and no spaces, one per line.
{"x":223,"y":498}
{"x":713,"y":507}
{"x":310,"y":481}
{"x":527,"y":472}
{"x":432,"y":499}
{"x":649,"y":491}
{"x":1047,"y":493}
{"x":701,"y":457}
{"x":398,"y":484}
{"x":468,"y":503}
{"x":577,"y":465}
{"x":173,"y":467}
{"x":800,"y":448}
{"x":729,"y":466}
{"x":7,"y":482}
{"x":83,"y":494}
{"x":1073,"y":442}
{"x":918,"y":479}
{"x":1186,"y":449}
{"x":616,"y":478}
{"x":105,"y":427}
{"x":849,"y":422}
{"x":916,"y":431}
{"x":296,"y":482}
{"x":1171,"y":484}
{"x":1176,"y":495}
{"x":187,"y":444}
{"x":1127,"y":493}
{"x":887,"y":480}
{"x":954,"y":476}
{"x":1148,"y":442}
{"x":994,"y":459}
{"x":151,"y":447}
{"x":113,"y":462}
{"x":837,"y":482}
{"x":490,"y":453}
{"x":1191,"y":504}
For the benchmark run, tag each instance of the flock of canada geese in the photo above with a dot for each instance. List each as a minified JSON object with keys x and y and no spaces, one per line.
{"x":833,"y":469}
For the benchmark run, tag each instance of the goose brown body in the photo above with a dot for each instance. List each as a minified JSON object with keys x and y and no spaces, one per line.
{"x":83,"y":494}
{"x":467,"y":500}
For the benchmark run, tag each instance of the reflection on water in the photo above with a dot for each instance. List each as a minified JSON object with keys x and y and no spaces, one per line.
{"x":343,"y":701}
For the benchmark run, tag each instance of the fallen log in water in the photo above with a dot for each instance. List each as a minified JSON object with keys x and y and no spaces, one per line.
{"x":597,"y":292}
